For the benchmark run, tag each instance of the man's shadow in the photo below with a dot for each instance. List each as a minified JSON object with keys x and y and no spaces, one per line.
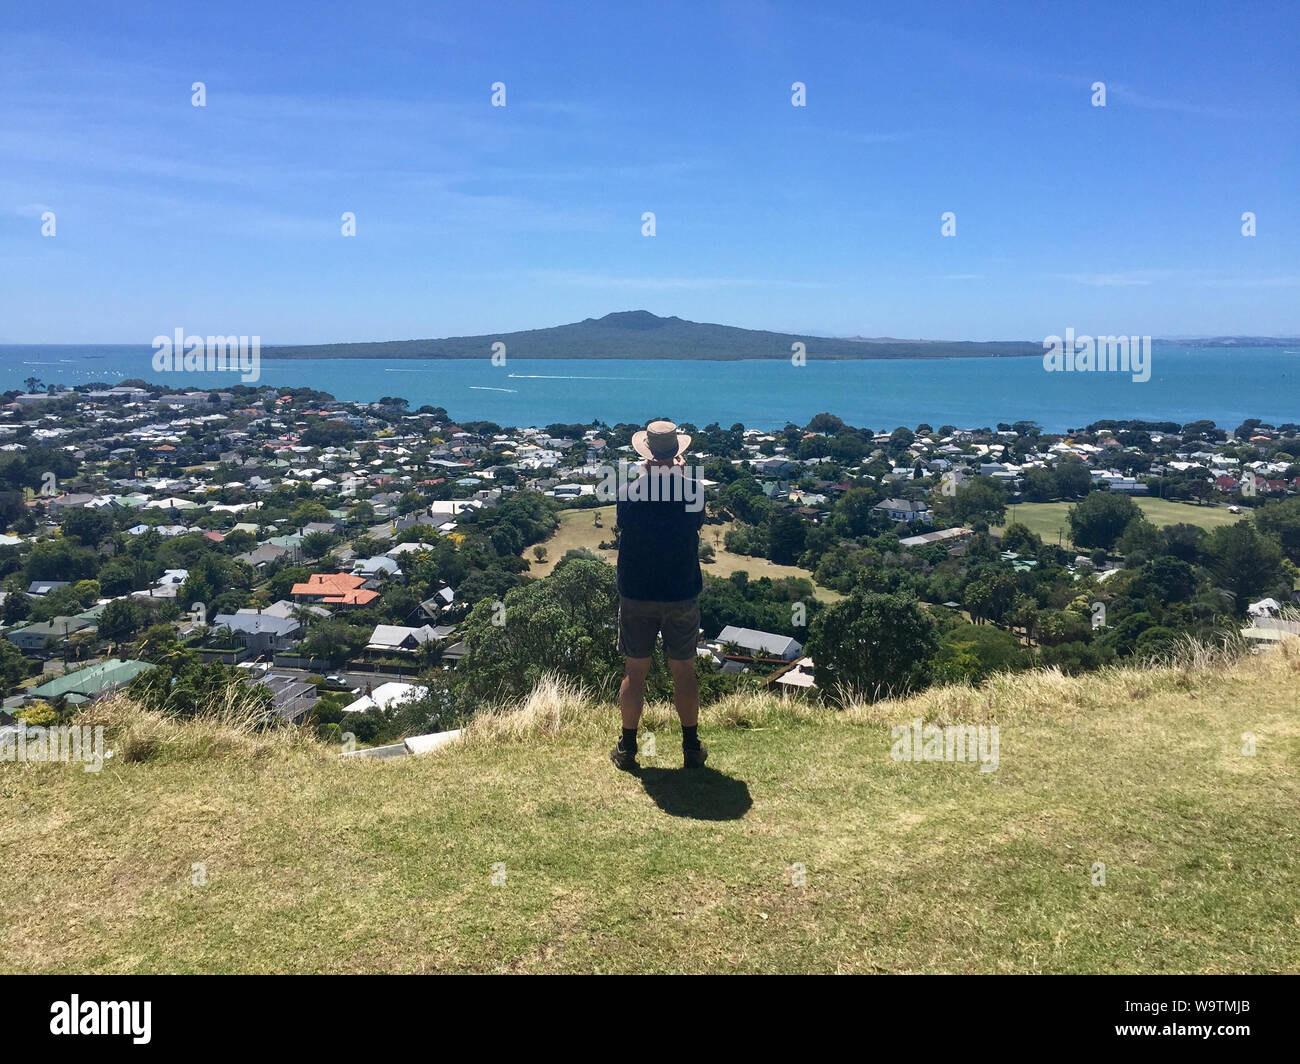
{"x":698,"y":793}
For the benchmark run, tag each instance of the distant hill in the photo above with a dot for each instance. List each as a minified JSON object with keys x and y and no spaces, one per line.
{"x":640,"y":334}
{"x":1235,"y":341}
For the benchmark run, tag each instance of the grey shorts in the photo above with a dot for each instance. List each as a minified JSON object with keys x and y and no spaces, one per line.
{"x":640,"y":622}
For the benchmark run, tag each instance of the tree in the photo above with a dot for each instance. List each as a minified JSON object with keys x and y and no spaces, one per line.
{"x":1281,"y":521}
{"x":16,"y":608}
{"x":563,"y":625}
{"x":1040,"y":485}
{"x":1242,"y":561}
{"x":853,"y":515}
{"x":976,"y":498}
{"x":1073,"y":480}
{"x":59,"y":559}
{"x":1019,"y":538}
{"x":1063,"y":626}
{"x":901,"y":439}
{"x":969,"y":653}
{"x":991,"y":596}
{"x":827,"y":423}
{"x":1141,"y":541}
{"x":120,"y":620}
{"x":317,"y":544}
{"x":1101,"y":518}
{"x":1183,"y":541}
{"x":872,"y":645}
{"x":785,"y":539}
{"x":13,"y":665}
{"x":1166,"y":580}
{"x":157,"y":642}
{"x":88,"y":527}
{"x":336,"y":641}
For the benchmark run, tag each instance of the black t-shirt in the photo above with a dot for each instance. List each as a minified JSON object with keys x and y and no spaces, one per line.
{"x":659,"y":544}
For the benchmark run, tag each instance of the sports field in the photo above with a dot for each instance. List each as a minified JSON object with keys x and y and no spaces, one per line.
{"x":1049,"y":519}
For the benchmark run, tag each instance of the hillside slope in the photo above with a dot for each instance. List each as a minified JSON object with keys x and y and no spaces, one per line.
{"x":316,"y":863}
{"x":640,"y":334}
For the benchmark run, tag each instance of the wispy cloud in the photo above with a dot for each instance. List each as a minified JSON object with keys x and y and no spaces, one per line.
{"x":1254,"y":282}
{"x":660,"y":284}
{"x":1125,"y":94}
{"x":1111,"y":280}
{"x":1201,"y":278}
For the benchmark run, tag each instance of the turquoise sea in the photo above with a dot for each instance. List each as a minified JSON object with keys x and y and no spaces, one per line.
{"x":1222,"y":384}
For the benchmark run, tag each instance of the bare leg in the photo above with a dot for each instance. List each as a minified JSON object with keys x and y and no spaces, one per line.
{"x":631,"y":695}
{"x":686,"y":691}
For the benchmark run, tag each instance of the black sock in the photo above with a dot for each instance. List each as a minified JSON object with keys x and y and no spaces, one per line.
{"x":628,"y":743}
{"x":690,"y":736}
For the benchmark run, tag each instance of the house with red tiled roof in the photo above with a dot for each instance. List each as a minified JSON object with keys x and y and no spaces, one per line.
{"x":334,"y":589}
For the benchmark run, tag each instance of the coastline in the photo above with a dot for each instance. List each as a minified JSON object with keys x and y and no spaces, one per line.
{"x":1185,"y":384}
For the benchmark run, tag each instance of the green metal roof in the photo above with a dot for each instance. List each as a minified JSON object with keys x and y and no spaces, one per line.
{"x":93,"y":680}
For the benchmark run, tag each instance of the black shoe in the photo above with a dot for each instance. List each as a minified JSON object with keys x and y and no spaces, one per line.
{"x":694,"y":756}
{"x":624,"y":760}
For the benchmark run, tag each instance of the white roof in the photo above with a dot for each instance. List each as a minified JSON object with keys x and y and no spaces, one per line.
{"x":385,"y":696}
{"x":799,"y":676}
{"x":451,"y":507}
{"x":392,"y":635}
{"x":752,"y":639}
{"x":426,"y":744}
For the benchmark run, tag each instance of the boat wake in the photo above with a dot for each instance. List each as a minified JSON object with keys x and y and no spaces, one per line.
{"x":557,"y":377}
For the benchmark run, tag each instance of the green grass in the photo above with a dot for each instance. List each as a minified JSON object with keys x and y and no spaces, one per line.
{"x":1049,"y":518}
{"x":315,"y":863}
{"x":575,"y":531}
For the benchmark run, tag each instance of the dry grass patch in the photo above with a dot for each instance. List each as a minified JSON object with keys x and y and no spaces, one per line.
{"x":316,"y":863}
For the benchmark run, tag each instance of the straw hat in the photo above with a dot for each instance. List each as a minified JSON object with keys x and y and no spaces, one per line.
{"x":660,"y":441}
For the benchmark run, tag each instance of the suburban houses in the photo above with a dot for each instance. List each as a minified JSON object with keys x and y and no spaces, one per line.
{"x":337,"y":552}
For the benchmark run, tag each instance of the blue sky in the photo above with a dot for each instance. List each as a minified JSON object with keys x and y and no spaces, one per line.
{"x":474,"y":219}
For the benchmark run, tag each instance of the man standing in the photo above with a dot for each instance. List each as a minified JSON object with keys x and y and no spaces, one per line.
{"x":659,"y":519}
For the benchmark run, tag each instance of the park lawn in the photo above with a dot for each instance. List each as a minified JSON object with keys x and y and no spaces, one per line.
{"x":314,"y":863}
{"x":576,"y":530}
{"x":1049,"y":518}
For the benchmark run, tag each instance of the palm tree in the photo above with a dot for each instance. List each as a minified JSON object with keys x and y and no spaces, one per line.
{"x":302,"y":613}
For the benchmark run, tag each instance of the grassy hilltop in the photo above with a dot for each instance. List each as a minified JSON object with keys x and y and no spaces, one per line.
{"x":316,"y":863}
